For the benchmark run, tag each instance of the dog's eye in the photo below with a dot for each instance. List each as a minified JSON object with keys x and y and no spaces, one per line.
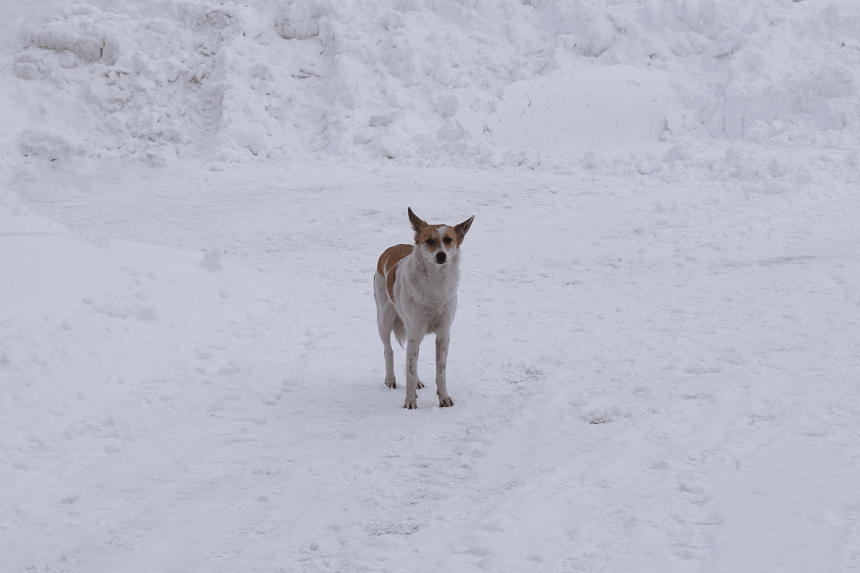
{"x":447,"y":240}
{"x":431,"y":242}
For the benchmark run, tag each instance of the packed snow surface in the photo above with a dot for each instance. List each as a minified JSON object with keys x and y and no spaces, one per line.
{"x":656,"y":352}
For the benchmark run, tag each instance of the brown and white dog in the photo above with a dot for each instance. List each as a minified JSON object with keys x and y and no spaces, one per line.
{"x":415,"y":288}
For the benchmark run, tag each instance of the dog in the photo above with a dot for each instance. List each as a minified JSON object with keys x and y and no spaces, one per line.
{"x":415,"y":288}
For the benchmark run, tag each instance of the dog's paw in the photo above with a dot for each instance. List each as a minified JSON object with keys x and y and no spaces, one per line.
{"x":420,"y":384}
{"x":411,"y":404}
{"x":445,"y":402}
{"x":391,"y":382}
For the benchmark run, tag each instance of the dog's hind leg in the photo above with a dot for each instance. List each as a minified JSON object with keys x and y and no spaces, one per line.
{"x":388,"y":352}
{"x":386,"y":322}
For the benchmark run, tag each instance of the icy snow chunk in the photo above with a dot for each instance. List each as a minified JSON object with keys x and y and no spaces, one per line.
{"x":110,"y":98}
{"x":251,"y":136}
{"x":594,"y":108}
{"x":50,"y":143}
{"x":451,"y":131}
{"x":680,"y":152}
{"x":211,"y":260}
{"x":399,"y":57}
{"x":385,"y":118}
{"x":469,"y":121}
{"x":67,"y":60}
{"x":388,"y":147}
{"x":299,"y":19}
{"x":594,"y":33}
{"x":449,"y":106}
{"x":780,"y":165}
{"x":758,"y":131}
{"x":140,"y":61}
{"x":27,"y":71}
{"x":710,"y":19}
{"x":392,"y":20}
{"x":82,"y":39}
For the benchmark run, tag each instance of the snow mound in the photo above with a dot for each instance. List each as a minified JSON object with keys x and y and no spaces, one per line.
{"x":81,"y":37}
{"x":430,"y":84}
{"x":593,"y":108}
{"x":50,"y":143}
{"x":299,"y":19}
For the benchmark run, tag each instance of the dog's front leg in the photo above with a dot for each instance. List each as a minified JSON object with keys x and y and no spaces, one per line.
{"x":388,"y":352}
{"x":413,"y":343}
{"x":442,"y":340}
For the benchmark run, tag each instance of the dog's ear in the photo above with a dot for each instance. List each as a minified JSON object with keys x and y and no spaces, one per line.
{"x":417,"y":223}
{"x":463,"y":228}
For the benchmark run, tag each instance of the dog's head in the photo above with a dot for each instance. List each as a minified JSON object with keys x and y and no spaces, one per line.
{"x":438,"y":244}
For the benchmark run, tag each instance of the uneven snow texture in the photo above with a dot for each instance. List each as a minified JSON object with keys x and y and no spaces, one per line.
{"x":417,"y":81}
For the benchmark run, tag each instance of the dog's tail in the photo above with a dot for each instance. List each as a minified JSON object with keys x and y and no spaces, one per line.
{"x":399,"y":330}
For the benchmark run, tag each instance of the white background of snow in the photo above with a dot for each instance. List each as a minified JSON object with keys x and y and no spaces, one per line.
{"x":656,"y":351}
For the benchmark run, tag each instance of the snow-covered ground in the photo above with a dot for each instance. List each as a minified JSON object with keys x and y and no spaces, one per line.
{"x":656,"y":355}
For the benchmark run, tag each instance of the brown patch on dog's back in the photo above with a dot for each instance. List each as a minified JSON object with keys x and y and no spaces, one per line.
{"x":388,"y":261}
{"x":391,"y":256}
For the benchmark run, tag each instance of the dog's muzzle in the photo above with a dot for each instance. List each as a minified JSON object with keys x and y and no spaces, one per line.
{"x":440,"y":258}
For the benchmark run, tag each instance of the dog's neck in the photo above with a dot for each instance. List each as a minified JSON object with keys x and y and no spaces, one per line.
{"x":441,"y":277}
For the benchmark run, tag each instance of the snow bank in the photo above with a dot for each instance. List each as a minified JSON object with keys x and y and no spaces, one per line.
{"x":429,"y":84}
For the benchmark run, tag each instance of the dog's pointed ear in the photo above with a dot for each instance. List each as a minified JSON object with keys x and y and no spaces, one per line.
{"x":417,"y":223}
{"x":463,"y":228}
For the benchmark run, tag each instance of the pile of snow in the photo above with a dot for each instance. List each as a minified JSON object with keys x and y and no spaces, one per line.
{"x":426,"y":84}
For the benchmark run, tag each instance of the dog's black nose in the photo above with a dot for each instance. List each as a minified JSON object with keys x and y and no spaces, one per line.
{"x":440,"y":258}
